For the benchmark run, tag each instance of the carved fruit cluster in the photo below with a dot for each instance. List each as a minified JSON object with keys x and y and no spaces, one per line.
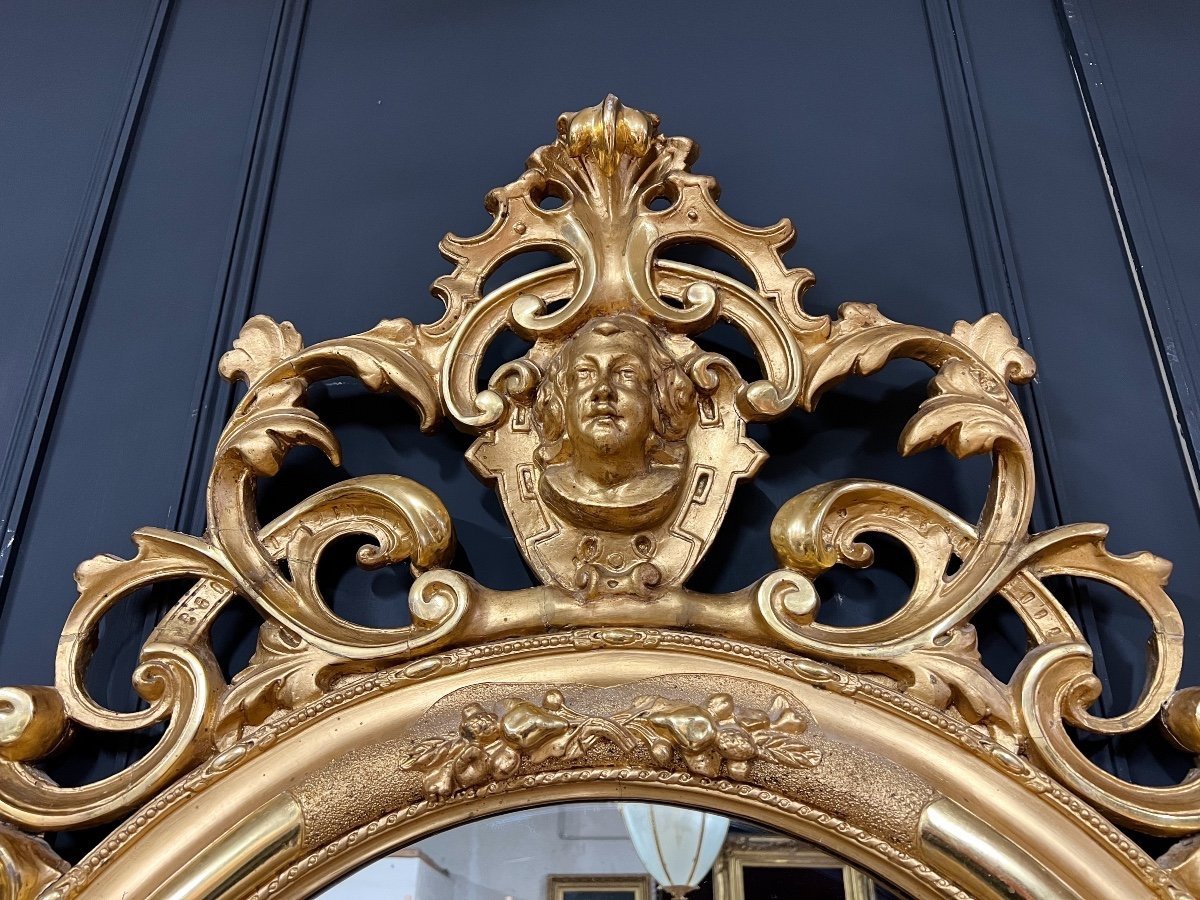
{"x":492,"y":744}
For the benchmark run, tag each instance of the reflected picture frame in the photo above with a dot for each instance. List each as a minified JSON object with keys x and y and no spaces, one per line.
{"x":599,"y":887}
{"x":740,"y":853}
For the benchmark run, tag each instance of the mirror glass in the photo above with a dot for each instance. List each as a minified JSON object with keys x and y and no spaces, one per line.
{"x":584,"y":851}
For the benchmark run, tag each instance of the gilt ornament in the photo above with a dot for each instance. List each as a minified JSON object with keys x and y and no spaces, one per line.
{"x":615,"y":445}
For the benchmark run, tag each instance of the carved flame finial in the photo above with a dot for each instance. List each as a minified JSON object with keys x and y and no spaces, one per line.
{"x":608,"y":131}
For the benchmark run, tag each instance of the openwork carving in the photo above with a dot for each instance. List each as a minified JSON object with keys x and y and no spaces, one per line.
{"x":615,"y":445}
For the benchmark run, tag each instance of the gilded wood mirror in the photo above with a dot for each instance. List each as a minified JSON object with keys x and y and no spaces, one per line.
{"x":615,"y":445}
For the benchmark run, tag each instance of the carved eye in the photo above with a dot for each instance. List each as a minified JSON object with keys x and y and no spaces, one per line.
{"x":628,"y":373}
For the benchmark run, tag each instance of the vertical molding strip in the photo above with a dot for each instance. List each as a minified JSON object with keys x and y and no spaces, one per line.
{"x":47,"y":376}
{"x":1173,"y":335}
{"x":238,"y":275}
{"x":213,"y":396}
{"x":991,"y":246}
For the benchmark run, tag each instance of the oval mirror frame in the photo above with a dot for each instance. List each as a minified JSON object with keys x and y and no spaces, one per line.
{"x":924,"y":802}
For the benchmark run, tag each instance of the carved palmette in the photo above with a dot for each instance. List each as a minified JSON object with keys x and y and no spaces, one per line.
{"x":615,"y":445}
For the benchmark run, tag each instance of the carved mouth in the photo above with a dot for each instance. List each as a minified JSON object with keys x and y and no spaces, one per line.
{"x":603,"y":412}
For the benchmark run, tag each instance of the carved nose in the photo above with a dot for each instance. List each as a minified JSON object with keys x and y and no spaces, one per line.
{"x":603,"y":390}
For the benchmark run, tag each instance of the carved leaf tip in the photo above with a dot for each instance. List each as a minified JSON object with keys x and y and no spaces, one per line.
{"x":264,"y":439}
{"x":261,"y":345}
{"x":88,"y":571}
{"x":1181,"y":718}
{"x":854,"y":315}
{"x":1156,"y":567}
{"x":32,"y":724}
{"x":968,"y":412}
{"x":155,"y":547}
{"x":399,"y":331}
{"x":993,"y":340}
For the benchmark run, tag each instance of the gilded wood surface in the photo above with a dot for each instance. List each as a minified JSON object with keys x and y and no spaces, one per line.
{"x":615,"y":445}
{"x":866,"y":799}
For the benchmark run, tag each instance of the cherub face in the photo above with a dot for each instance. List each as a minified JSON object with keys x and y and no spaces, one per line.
{"x":609,"y":393}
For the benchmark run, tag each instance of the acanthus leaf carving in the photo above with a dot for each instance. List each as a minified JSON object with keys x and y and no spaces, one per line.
{"x":261,"y":345}
{"x":993,"y":342}
{"x":966,"y":413}
{"x":27,"y":864}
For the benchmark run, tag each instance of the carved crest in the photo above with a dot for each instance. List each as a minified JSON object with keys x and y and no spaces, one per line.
{"x":617,"y":442}
{"x":615,"y":445}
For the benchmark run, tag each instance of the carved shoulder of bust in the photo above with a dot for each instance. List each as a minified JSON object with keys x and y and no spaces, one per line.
{"x":641,"y":502}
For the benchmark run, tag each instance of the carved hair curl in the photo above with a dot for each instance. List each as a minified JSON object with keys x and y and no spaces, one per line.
{"x":672,"y":396}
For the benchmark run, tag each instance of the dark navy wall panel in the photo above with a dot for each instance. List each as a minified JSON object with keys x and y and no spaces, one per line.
{"x":1136,"y":66}
{"x":63,"y":231}
{"x":1116,"y":456}
{"x":119,"y":443}
{"x":1149,"y":72}
{"x":64,"y":77}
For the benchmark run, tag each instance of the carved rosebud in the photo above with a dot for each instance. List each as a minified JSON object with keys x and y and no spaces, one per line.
{"x":439,"y":782}
{"x":735,"y":743}
{"x":706,"y":763}
{"x":504,"y":760}
{"x":784,"y":718}
{"x":662,"y":752}
{"x":738,"y":770}
{"x":790,"y":723}
{"x":752,"y":719}
{"x":478,"y":725}
{"x":721,"y":706}
{"x":608,"y":131}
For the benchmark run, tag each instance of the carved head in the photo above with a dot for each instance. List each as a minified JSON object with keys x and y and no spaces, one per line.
{"x":614,"y":391}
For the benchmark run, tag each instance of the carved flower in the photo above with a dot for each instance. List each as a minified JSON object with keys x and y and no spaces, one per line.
{"x":471,"y":766}
{"x":714,"y":738}
{"x":478,"y":725}
{"x":735,"y":743}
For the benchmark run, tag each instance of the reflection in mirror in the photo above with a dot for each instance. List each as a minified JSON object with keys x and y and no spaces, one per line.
{"x":584,"y":851}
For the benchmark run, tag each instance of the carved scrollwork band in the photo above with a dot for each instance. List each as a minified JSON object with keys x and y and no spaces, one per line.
{"x":615,"y":446}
